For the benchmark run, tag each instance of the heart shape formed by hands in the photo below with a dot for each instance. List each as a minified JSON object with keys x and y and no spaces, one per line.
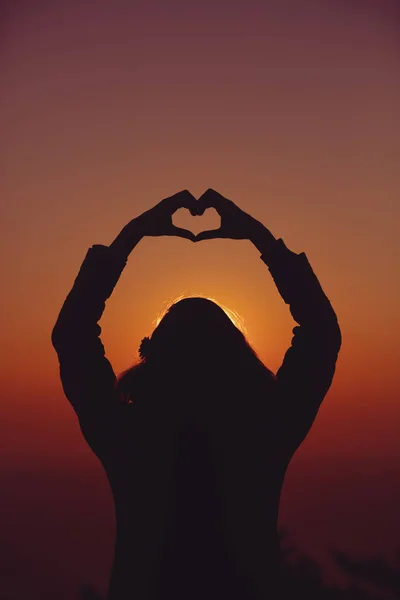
{"x":210,"y":220}
{"x":234,"y":224}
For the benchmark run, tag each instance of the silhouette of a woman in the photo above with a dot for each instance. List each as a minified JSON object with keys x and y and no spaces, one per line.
{"x":196,"y":438}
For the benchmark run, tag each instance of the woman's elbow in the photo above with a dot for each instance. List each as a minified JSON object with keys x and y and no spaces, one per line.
{"x":335,"y":336}
{"x":57,"y":336}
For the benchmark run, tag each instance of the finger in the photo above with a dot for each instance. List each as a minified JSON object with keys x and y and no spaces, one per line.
{"x":183,"y":199}
{"x":212,"y":199}
{"x":211,"y":234}
{"x":184,"y":233}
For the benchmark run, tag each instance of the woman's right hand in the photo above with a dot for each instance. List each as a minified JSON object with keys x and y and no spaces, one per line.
{"x":235,"y":223}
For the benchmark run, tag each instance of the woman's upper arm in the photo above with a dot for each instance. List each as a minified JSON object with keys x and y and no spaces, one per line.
{"x":86,"y":374}
{"x":305,"y":376}
{"x":309,"y":364}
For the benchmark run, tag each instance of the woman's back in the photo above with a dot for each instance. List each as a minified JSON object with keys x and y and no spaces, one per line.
{"x":202,"y":489}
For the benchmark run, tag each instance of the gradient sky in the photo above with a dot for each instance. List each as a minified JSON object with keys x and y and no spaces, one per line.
{"x":288,"y":108}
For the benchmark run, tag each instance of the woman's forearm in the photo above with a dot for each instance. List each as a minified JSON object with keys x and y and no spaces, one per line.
{"x":126,"y":240}
{"x":263,"y":240}
{"x":299,"y":287}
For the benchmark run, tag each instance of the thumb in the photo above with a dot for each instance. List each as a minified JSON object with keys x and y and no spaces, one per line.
{"x":183,"y":233}
{"x":211,"y":234}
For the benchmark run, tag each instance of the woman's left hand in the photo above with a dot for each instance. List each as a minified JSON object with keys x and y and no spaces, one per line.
{"x":158,"y":220}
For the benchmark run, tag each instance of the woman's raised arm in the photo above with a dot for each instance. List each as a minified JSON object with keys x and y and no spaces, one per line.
{"x":86,"y":374}
{"x":309,"y":364}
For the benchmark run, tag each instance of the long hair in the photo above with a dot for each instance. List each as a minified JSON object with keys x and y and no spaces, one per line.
{"x":195,"y":341}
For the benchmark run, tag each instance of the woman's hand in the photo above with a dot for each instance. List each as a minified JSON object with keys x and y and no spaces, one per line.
{"x":156,"y":222}
{"x":235,"y":223}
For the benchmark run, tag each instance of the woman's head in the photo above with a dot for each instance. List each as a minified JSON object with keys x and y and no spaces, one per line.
{"x":196,"y":338}
{"x":193,"y":328}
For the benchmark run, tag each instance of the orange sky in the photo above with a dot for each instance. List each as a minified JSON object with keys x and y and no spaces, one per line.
{"x":291,"y":113}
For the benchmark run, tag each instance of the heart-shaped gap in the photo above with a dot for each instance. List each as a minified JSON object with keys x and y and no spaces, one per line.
{"x":209,"y":220}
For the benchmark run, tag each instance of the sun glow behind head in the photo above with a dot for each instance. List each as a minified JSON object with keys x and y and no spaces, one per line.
{"x":234,"y":316}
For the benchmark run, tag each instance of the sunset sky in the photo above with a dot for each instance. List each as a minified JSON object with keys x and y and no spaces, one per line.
{"x":290,"y":109}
